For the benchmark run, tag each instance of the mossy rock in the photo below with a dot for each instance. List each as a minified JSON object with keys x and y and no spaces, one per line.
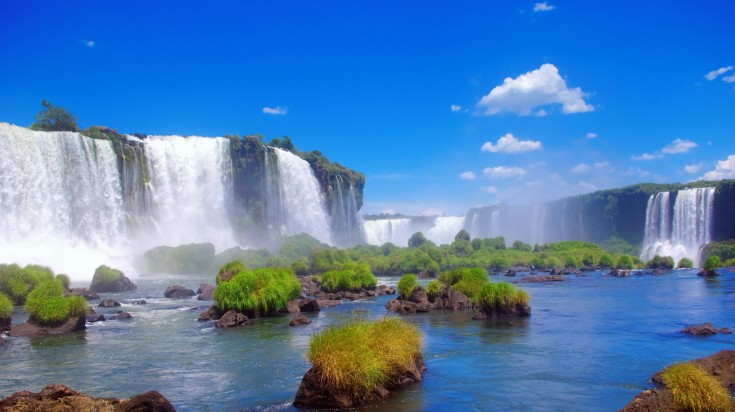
{"x":107,"y":279}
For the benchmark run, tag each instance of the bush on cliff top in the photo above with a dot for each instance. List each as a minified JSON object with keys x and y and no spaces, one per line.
{"x":47,"y":305}
{"x":352,"y":278}
{"x":261,"y":291}
{"x":358,"y":357}
{"x":695,"y":390}
{"x":6,"y":306}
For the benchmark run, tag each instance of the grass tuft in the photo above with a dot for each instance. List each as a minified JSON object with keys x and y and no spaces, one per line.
{"x":433,"y":289}
{"x":6,"y":306}
{"x":229,"y":270}
{"x":47,"y":305}
{"x":262,"y":291}
{"x":695,"y":390}
{"x":468,"y":281}
{"x":501,"y":297}
{"x":359,"y":357}
{"x":406,"y":285}
{"x":351,"y":278}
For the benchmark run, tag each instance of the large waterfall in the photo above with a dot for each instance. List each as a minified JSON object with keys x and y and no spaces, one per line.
{"x":438,"y":229}
{"x":678,"y":231}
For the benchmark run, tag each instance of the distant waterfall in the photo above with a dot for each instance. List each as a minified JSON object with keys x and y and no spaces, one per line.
{"x":681,"y":231}
{"x":396,"y":231}
{"x":302,"y":203}
{"x":445,"y":229}
{"x":346,"y":220}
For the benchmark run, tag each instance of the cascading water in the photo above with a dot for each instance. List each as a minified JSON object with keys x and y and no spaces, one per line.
{"x":346,"y":221}
{"x":302,"y":202}
{"x":681,"y":233}
{"x":445,"y":229}
{"x":380,"y":231}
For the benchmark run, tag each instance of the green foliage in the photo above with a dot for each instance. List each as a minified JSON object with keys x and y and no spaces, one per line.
{"x":229,"y":270}
{"x":617,"y":244}
{"x":468,"y":281}
{"x":462,"y":247}
{"x":17,"y":283}
{"x":433,"y":289}
{"x":47,"y":305}
{"x":54,"y":118}
{"x":711,"y":263}
{"x":538,"y":263}
{"x":64,"y":280}
{"x":501,"y":297}
{"x":570,"y":262}
{"x":406,"y":285}
{"x":261,"y":291}
{"x":358,"y":357}
{"x":518,"y":245}
{"x":553,"y":263}
{"x":696,"y":390}
{"x":625,"y":262}
{"x":606,"y":261}
{"x":352,"y":278}
{"x":387,"y":248}
{"x":462,"y":235}
{"x":496,"y":243}
{"x":568,"y":246}
{"x":184,"y":259}
{"x":416,"y":240}
{"x":661,"y":262}
{"x":729,"y":263}
{"x":300,"y":267}
{"x":6,"y":306}
{"x":685,"y":263}
{"x":301,"y":245}
{"x":105,"y":274}
{"x":476,"y":243}
{"x":588,"y":260}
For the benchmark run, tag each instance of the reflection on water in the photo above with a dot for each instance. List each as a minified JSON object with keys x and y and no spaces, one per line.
{"x":592,"y":342}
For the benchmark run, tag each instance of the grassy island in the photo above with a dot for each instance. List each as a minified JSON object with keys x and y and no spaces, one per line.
{"x":696,"y":390}
{"x":255,"y":292}
{"x":352,"y":278}
{"x":47,"y":305}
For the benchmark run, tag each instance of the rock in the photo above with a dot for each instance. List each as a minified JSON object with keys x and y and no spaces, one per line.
{"x":381,"y":290}
{"x":178,"y":292}
{"x":309,"y":305}
{"x":122,"y":315}
{"x":510,"y":272}
{"x":726,"y":331}
{"x":292,"y":306}
{"x":232,"y":319}
{"x":61,"y":398}
{"x":205,"y":291}
{"x":138,"y":302}
{"x":571,"y":271}
{"x":456,"y":300}
{"x":32,"y":329}
{"x":657,"y":271}
{"x":315,"y":392}
{"x":83,"y":292}
{"x":556,"y":272}
{"x":516,"y":311}
{"x":542,"y":278}
{"x":419,"y":296}
{"x":213,"y":313}
{"x":309,"y":287}
{"x":107,"y":279}
{"x":479,"y":315}
{"x":2,"y":340}
{"x":108,"y":303}
{"x":406,"y":306}
{"x":300,"y":320}
{"x":328,"y":303}
{"x":97,"y":317}
{"x":707,"y":273}
{"x":619,"y":273}
{"x":5,"y":323}
{"x":705,"y":329}
{"x":651,"y":401}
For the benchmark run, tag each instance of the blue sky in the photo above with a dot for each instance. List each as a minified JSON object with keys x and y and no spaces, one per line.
{"x":443,"y":105}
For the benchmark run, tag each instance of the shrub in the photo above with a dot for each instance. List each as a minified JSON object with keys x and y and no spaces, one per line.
{"x":695,"y":390}
{"x":433,"y":289}
{"x":352,"y":278}
{"x":17,"y":283}
{"x":406,"y":285}
{"x":416,"y":240}
{"x":570,"y":262}
{"x":467,"y":281}
{"x":501,"y":297}
{"x":711,"y":263}
{"x":300,"y":267}
{"x":553,"y":263}
{"x":6,"y":306}
{"x":462,"y":234}
{"x":229,"y":270}
{"x":54,"y":118}
{"x":185,"y":259}
{"x":258,"y":292}
{"x":462,"y":247}
{"x":625,"y":262}
{"x":685,"y":263}
{"x":64,"y":280}
{"x":606,"y":261}
{"x":47,"y":305}
{"x":358,"y":357}
{"x":728,"y":263}
{"x":661,"y":262}
{"x":524,"y":247}
{"x":588,"y":260}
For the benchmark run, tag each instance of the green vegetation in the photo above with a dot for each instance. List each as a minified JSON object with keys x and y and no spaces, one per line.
{"x":696,"y":390}
{"x":711,"y":263}
{"x":606,"y":261}
{"x":105,"y":275}
{"x":724,"y":250}
{"x":570,"y":262}
{"x":501,"y":297}
{"x":258,"y":292}
{"x":47,"y":305}
{"x":64,"y":280}
{"x":184,"y":259}
{"x":468,"y":281}
{"x":433,"y":289}
{"x":416,"y":240}
{"x":661,"y":262}
{"x":625,"y":262}
{"x":406,"y":285}
{"x":6,"y":306}
{"x":685,"y":263}
{"x":353,"y":277}
{"x":359,"y":357}
{"x":54,"y":118}
{"x":229,"y":270}
{"x":17,"y":283}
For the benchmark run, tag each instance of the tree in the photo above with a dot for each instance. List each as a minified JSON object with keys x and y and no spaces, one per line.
{"x":518,"y":245}
{"x":462,"y":234}
{"x":54,"y":119}
{"x":416,"y":240}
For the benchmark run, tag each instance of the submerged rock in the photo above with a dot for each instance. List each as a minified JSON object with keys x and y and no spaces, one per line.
{"x":705,"y":329}
{"x":299,"y":320}
{"x":213,"y":313}
{"x":542,"y":279}
{"x":122,"y":315}
{"x":309,"y":305}
{"x":232,"y":319}
{"x":32,"y":329}
{"x":60,"y":398}
{"x":96,"y":317}
{"x":178,"y":292}
{"x":5,"y":323}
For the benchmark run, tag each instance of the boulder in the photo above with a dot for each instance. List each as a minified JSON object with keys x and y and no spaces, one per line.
{"x":5,"y":323}
{"x":619,"y":273}
{"x":61,"y":398}
{"x":510,"y":272}
{"x":516,"y":311}
{"x":381,"y":290}
{"x":479,"y":315}
{"x":83,"y":292}
{"x":292,"y":306}
{"x":406,"y":306}
{"x":107,"y":279}
{"x":455,"y":300}
{"x":97,"y":317}
{"x":122,"y":315}
{"x":726,"y":331}
{"x":205,"y":291}
{"x":707,"y":273}
{"x":178,"y":292}
{"x":309,"y":305}
{"x":704,"y":329}
{"x":232,"y":319}
{"x":299,"y":320}
{"x":108,"y":303}
{"x":213,"y":313}
{"x":33,"y":329}
{"x":328,"y":303}
{"x":542,"y":279}
{"x":138,"y":302}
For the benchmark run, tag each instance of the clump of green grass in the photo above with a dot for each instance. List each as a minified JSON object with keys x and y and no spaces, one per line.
{"x":359,"y":357}
{"x":106,"y":274}
{"x":433,"y":289}
{"x":6,"y":306}
{"x":17,"y":283}
{"x":501,"y":297}
{"x":406,"y":285}
{"x":468,"y":281}
{"x":260,"y":291}
{"x":47,"y":305}
{"x":229,"y":270}
{"x":695,"y":390}
{"x":64,"y":280}
{"x":351,"y":278}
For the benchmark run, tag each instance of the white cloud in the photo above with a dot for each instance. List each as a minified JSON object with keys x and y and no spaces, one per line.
{"x":604,"y":165}
{"x":542,"y":7}
{"x":502,"y":172}
{"x":725,"y":169}
{"x":88,"y":43}
{"x":637,"y":171}
{"x":714,"y":73}
{"x":591,"y":135}
{"x":278,"y":110}
{"x":580,"y":169}
{"x":456,"y":107}
{"x":490,"y":189}
{"x":539,"y":87}
{"x":729,"y":79}
{"x":645,"y":156}
{"x":693,"y":168}
{"x":469,"y":175}
{"x":510,"y":144}
{"x":679,"y":146}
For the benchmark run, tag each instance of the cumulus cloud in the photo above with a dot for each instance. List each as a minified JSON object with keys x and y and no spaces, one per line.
{"x":725,"y":169}
{"x":540,"y":87}
{"x":490,"y":189}
{"x":503,"y":172}
{"x":456,"y":107}
{"x":693,"y":168}
{"x":729,"y":79}
{"x":579,"y":169}
{"x":591,"y":135}
{"x":645,"y":156}
{"x":679,"y":146}
{"x":715,"y":73}
{"x":510,"y":144}
{"x":89,"y":43}
{"x":278,"y":110}
{"x":542,"y":7}
{"x":469,"y":175}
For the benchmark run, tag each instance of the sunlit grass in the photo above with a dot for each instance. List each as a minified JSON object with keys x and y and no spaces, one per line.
{"x":406,"y":285}
{"x":695,"y":390}
{"x":501,"y":297}
{"x":47,"y":305}
{"x":262,"y":290}
{"x":6,"y":306}
{"x":351,"y":278}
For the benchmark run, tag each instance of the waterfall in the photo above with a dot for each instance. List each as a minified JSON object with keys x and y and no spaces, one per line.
{"x":346,"y":225}
{"x":683,"y":232}
{"x":302,"y":203}
{"x":445,"y":229}
{"x":380,"y":231}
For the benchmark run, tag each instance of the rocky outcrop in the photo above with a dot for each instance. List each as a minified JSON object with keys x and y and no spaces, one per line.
{"x":33,"y":329}
{"x":108,"y":280}
{"x":178,"y":292}
{"x":309,"y":305}
{"x":232,"y":319}
{"x":205,"y":291}
{"x":109,"y":303}
{"x":315,"y":392}
{"x":60,"y":398}
{"x":704,"y":329}
{"x":362,"y":294}
{"x":83,"y":292}
{"x":542,"y":279}
{"x":95,"y":317}
{"x":419,"y":302}
{"x":299,"y":320}
{"x":707,"y":273}
{"x":452,"y":299}
{"x":518,"y":310}
{"x":213,"y":313}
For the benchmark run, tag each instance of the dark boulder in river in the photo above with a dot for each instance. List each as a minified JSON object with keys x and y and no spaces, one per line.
{"x":55,"y":398}
{"x":205,"y":291}
{"x":83,"y":292}
{"x":108,"y":303}
{"x":232,"y":319}
{"x":178,"y":292}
